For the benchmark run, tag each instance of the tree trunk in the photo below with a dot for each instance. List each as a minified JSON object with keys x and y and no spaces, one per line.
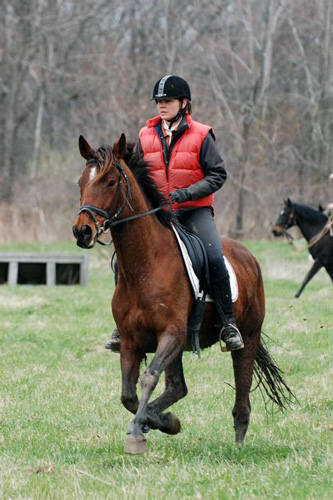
{"x":247,"y":122}
{"x":9,"y":131}
{"x":38,"y":134}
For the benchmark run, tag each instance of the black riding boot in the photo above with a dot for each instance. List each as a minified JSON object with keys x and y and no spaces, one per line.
{"x":222,"y":296}
{"x":114,"y":343}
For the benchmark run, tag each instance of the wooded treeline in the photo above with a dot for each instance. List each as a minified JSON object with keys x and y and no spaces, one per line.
{"x":260,"y":72}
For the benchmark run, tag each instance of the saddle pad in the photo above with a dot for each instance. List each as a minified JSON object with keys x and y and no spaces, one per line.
{"x":193,"y":277}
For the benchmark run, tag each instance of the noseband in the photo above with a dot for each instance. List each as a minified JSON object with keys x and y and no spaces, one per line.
{"x":286,"y":226}
{"x":112,"y":220}
{"x":290,"y":222}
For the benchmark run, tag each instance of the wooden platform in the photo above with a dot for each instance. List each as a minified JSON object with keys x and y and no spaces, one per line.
{"x":43,"y":269}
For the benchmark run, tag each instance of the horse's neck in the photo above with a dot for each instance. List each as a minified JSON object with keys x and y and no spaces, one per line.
{"x":308,"y":228}
{"x":137,"y":247}
{"x":137,"y":242}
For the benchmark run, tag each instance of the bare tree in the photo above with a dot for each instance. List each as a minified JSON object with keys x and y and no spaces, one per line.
{"x":260,"y":73}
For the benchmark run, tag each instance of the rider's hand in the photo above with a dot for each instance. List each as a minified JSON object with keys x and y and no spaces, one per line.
{"x":180,"y":195}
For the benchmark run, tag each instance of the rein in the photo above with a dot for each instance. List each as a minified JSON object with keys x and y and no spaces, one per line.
{"x":112,"y":220}
{"x":290,"y":238}
{"x":327,"y":228}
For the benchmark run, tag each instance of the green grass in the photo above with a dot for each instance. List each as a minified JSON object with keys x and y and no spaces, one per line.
{"x":62,"y":426}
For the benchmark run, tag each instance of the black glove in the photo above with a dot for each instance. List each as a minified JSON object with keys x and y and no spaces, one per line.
{"x":180,"y":195}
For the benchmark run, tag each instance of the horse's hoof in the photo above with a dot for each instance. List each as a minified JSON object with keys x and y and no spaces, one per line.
{"x":135,"y":446}
{"x":173,"y":424}
{"x":240,"y":433}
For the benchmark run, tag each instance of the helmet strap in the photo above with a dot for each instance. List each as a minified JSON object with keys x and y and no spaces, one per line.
{"x":180,"y":113}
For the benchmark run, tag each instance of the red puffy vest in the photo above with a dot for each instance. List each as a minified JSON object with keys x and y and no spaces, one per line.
{"x":184,"y":167}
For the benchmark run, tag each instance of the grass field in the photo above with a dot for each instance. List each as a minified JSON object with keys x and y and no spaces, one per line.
{"x":62,"y":426}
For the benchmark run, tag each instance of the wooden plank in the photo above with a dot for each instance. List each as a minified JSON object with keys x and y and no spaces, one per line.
{"x":51,"y":273}
{"x":84,"y":269}
{"x":42,"y":258}
{"x":51,"y":260}
{"x":12,"y":273}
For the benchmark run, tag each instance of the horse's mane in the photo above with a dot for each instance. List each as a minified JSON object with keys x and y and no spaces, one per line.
{"x":140,"y":170}
{"x":309,"y":213}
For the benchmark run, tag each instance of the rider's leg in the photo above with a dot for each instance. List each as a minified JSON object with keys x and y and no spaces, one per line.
{"x":114,"y":343}
{"x":201,"y":222}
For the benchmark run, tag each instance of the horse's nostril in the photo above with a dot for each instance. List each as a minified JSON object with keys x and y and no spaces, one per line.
{"x":83,"y":236}
{"x":86,"y":231}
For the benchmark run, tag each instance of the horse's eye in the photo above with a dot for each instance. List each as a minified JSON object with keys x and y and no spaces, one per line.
{"x":112,"y":183}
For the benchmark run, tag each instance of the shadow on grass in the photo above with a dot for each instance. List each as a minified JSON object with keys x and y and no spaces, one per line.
{"x":166,"y":452}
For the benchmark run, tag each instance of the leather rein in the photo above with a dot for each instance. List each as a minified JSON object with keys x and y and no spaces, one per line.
{"x":327,"y":228}
{"x":112,"y":220}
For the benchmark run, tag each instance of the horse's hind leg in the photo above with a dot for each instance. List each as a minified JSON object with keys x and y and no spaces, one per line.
{"x":175,"y":389}
{"x":243,"y":362}
{"x":168,"y":349}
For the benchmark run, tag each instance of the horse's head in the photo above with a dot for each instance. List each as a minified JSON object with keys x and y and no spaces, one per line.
{"x":104,"y":190}
{"x":285,"y":220}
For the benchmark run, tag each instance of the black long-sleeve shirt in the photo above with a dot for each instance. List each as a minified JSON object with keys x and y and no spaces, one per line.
{"x":210,"y":160}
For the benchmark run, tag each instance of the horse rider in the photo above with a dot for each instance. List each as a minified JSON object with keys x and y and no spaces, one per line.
{"x":329,"y":210}
{"x":187,"y":169}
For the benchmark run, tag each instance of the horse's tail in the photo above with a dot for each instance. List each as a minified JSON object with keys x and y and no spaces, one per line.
{"x":270,"y":379}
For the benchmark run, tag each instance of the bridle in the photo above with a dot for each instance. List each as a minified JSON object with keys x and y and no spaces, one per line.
{"x":290,"y":222}
{"x":112,"y":220}
{"x":284,"y":226}
{"x":327,"y":228}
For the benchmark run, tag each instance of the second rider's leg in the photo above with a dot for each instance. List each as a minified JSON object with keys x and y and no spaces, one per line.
{"x":114,"y":343}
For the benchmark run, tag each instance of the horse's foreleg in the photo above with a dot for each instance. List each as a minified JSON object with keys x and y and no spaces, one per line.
{"x":130,"y":368}
{"x":314,"y":269}
{"x":243,"y":362}
{"x":175,"y":389}
{"x":168,"y":349}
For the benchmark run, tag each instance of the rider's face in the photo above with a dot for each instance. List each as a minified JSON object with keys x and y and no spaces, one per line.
{"x":169,"y":108}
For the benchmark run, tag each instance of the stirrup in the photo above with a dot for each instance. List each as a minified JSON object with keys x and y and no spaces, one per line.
{"x":232,"y":338}
{"x":114,"y":343}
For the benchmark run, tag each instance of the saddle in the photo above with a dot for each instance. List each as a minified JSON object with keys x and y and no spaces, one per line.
{"x":199,"y":259}
{"x":198,"y":256}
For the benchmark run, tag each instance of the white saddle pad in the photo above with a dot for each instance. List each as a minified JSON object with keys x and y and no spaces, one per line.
{"x":193,"y":277}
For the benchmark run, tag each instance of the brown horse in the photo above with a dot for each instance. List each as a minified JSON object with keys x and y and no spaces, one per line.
{"x":153,"y":300}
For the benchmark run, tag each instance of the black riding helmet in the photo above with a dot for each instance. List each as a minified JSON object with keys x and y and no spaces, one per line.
{"x":171,"y":87}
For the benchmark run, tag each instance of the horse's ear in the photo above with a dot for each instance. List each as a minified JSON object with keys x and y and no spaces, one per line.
{"x":288,"y":202}
{"x":85,"y":149}
{"x":321,"y":208}
{"x":119,"y":149}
